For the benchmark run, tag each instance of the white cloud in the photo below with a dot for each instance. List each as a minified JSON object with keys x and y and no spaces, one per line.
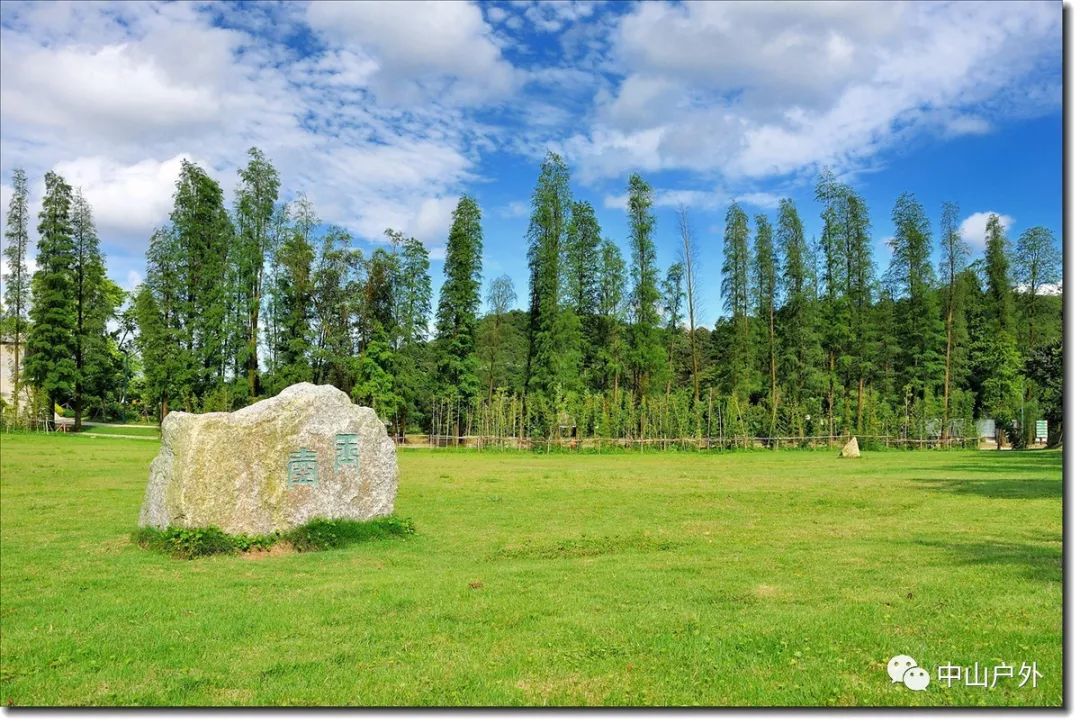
{"x":757,"y":90}
{"x":698,"y":199}
{"x":1052,"y":289}
{"x":423,"y":49}
{"x":551,"y":16}
{"x":127,"y":200}
{"x":963,"y":125}
{"x":973,"y":228}
{"x":513,"y":210}
{"x":6,"y":192}
{"x":760,"y":199}
{"x":112,"y":96}
{"x":132,"y":280}
{"x":110,"y":90}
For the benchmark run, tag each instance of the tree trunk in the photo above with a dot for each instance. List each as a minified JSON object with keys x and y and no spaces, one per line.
{"x":832,"y":385}
{"x":15,"y":373}
{"x":78,"y":406}
{"x":859,"y":405}
{"x":694,"y":359}
{"x":252,"y":361}
{"x":670,"y":363}
{"x":948,"y":374}
{"x":772,"y":371}
{"x":491,"y":360}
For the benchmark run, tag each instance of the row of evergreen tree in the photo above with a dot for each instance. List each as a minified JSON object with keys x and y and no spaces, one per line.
{"x":237,"y":305}
{"x":57,"y":321}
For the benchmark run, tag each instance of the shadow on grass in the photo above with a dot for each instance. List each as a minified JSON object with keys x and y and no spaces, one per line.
{"x":1010,"y":461}
{"x":1041,"y":562}
{"x":1010,"y":488}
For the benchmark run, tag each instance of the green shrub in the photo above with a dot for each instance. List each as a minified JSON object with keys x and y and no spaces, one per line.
{"x":321,"y":534}
{"x":186,"y":542}
{"x":315,"y":535}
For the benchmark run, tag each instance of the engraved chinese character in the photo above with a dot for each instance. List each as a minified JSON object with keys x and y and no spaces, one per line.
{"x":303,"y":468}
{"x":347,"y":450}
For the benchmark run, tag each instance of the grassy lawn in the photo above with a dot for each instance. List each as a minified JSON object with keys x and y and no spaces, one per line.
{"x":753,"y":578}
{"x":107,"y":428}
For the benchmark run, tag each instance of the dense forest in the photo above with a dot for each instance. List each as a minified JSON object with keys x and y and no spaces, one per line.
{"x":815,"y":343}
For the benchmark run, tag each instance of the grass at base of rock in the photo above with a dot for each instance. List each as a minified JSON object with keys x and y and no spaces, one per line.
{"x":318,"y":534}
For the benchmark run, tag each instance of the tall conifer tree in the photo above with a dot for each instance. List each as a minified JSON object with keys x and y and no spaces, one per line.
{"x":912,"y":276}
{"x":256,"y":197}
{"x":583,"y":276}
{"x":95,"y":304}
{"x":611,"y":363}
{"x":292,"y":295}
{"x":735,"y":288}
{"x":999,"y":308}
{"x":858,"y":297}
{"x":800,"y":348}
{"x":834,"y":323}
{"x":645,"y":349}
{"x":167,"y":364}
{"x":765,"y":287}
{"x":954,"y":254}
{"x":14,"y":319}
{"x":1037,"y":263}
{"x":203,"y":233}
{"x":672,"y":297}
{"x":51,"y":343}
{"x":459,"y":304}
{"x":553,"y":365}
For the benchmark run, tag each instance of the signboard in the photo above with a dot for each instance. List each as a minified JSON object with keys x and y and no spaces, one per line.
{"x":1040,"y":431}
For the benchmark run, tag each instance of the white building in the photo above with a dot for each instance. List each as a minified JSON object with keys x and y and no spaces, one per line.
{"x":7,"y":365}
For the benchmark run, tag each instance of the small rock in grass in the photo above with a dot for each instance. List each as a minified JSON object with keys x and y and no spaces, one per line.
{"x":851,"y":450}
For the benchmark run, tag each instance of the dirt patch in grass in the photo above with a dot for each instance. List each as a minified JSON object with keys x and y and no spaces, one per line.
{"x":764,"y":590}
{"x":281,"y":548}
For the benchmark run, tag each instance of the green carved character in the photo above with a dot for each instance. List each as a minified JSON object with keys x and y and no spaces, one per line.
{"x":347,"y":450}
{"x":303,"y":468}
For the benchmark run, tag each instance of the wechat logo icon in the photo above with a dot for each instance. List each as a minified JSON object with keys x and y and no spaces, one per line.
{"x":904,"y":669}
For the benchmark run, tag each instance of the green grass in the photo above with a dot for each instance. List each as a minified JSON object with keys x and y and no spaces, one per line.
{"x":150,"y":432}
{"x":754,"y":578}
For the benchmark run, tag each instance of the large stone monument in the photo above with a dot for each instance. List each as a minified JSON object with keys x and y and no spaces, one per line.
{"x":306,"y":453}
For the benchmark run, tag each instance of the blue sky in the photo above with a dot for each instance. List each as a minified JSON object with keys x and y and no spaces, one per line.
{"x":383,"y":114}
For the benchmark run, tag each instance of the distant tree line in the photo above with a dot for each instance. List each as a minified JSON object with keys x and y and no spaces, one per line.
{"x":814,"y":343}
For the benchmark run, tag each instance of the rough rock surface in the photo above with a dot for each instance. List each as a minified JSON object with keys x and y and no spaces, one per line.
{"x":851,"y":449}
{"x":306,"y":453}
